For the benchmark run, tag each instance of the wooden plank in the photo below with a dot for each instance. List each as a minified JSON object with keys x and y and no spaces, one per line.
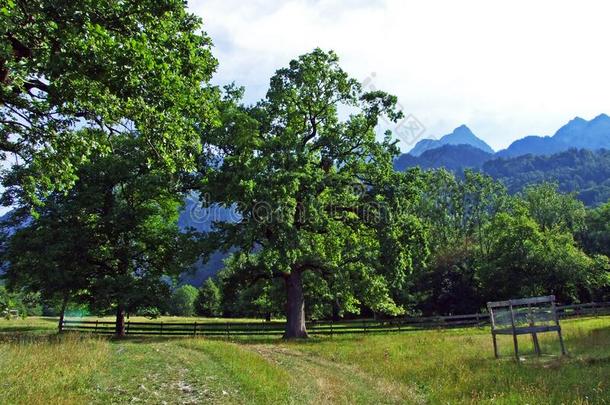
{"x":512,"y":320}
{"x":521,"y":301}
{"x":534,"y":335}
{"x":526,"y":330}
{"x":69,"y":322}
{"x":563,"y":348}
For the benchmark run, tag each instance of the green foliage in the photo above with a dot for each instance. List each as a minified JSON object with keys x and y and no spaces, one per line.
{"x":313,"y":191}
{"x":74,"y":75}
{"x":584,"y":172}
{"x":596,"y":238}
{"x":450,"y":284}
{"x":22,"y":301}
{"x":183,"y":299}
{"x":209,"y":299}
{"x":551,"y":209}
{"x":486,"y":245}
{"x":243,"y":295}
{"x":526,"y":260}
{"x":45,"y":255}
{"x":455,"y":208}
{"x":109,"y":240}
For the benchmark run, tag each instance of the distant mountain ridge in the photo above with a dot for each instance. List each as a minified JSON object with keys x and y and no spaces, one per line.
{"x":576,"y":134}
{"x":451,"y":157}
{"x":455,"y":150}
{"x":462,"y":135}
{"x":581,"y":171}
{"x":194,"y":216}
{"x":577,"y":157}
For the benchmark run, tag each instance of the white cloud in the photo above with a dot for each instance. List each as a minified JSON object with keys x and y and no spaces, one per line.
{"x":506,"y":69}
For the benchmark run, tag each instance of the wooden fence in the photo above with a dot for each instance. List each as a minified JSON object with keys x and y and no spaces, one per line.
{"x":275,"y":328}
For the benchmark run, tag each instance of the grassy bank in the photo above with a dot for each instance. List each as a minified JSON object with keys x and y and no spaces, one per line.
{"x":445,"y":366}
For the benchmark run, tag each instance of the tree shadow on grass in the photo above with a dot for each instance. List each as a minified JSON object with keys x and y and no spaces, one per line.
{"x":47,"y":336}
{"x":244,"y":340}
{"x":24,"y":328}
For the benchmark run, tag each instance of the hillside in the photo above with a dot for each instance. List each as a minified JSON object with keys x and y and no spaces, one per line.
{"x":578,"y":133}
{"x":584,"y":172}
{"x":576,"y":157}
{"x":193,"y":216}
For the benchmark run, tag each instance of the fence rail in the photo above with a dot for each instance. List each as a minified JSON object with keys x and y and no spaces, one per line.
{"x":276,"y":328}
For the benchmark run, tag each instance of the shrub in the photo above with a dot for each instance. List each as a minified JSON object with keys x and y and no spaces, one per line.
{"x":183,"y":301}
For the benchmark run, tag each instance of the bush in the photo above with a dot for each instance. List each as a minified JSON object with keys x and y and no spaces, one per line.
{"x":183,"y":301}
{"x":209,"y":299}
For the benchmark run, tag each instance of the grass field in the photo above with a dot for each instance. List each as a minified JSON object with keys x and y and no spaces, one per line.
{"x":437,"y":367}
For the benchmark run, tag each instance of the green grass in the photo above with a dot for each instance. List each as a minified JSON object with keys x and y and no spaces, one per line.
{"x":438,"y":367}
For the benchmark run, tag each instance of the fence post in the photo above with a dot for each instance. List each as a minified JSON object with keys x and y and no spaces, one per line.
{"x":228,"y":333}
{"x":331,"y":328}
{"x":595,"y":309}
{"x":127,"y":331}
{"x":364,"y":324}
{"x":195,"y":329}
{"x":161,"y":329}
{"x":95,"y":330}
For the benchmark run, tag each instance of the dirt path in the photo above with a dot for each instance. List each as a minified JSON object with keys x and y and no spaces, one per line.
{"x":321,"y":381}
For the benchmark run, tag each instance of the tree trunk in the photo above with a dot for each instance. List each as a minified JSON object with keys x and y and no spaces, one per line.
{"x":120,"y":321}
{"x":336,"y":310}
{"x":295,"y":308}
{"x":62,"y":313}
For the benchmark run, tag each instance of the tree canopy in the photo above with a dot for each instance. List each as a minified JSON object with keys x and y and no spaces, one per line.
{"x":310,"y":187}
{"x":74,"y":75}
{"x":109,"y":120}
{"x":111,"y":238}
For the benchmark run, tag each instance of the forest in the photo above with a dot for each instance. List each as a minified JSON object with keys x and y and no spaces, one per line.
{"x":110,"y":135}
{"x":583,"y":172}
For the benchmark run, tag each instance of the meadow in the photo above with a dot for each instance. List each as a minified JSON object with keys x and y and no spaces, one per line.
{"x":419,"y":367}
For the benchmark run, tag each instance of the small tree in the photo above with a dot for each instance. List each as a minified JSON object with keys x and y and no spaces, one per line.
{"x":183,"y":301}
{"x":112,"y":238}
{"x":552,"y":209}
{"x":47,"y":255}
{"x":596,"y":238}
{"x":209,"y":299}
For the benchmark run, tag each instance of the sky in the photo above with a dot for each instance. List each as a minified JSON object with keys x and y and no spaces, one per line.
{"x":506,"y":69}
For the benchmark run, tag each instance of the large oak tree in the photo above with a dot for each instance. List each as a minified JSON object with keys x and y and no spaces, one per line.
{"x":76,"y":74}
{"x":311,"y":183}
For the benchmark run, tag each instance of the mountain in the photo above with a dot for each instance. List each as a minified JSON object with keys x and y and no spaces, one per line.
{"x":577,"y":157}
{"x":451,"y":157}
{"x":201,"y":219}
{"x":193,"y":216}
{"x":581,"y":171}
{"x":578,"y":133}
{"x":462,"y":135}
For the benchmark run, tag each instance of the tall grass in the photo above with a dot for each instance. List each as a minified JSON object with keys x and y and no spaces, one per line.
{"x":459,"y":367}
{"x":50,"y":369}
{"x":437,"y":367}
